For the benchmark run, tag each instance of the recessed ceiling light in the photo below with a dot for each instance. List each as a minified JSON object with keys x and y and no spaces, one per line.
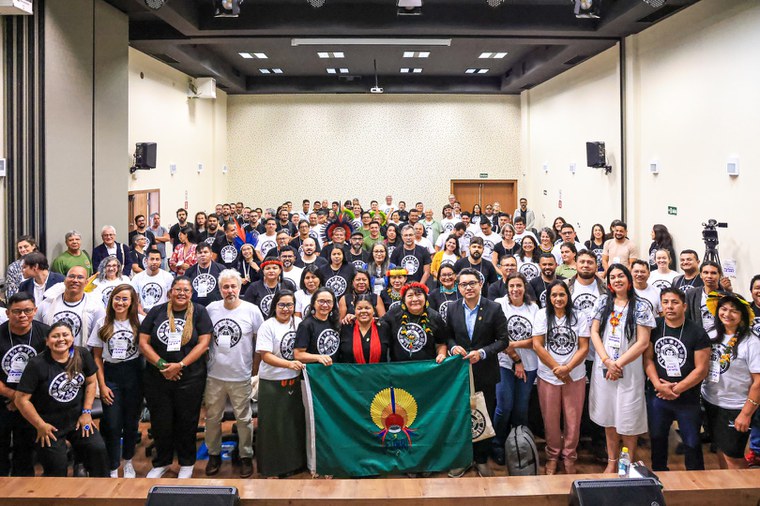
{"x":247,"y":56}
{"x":408,"y":54}
{"x":500,"y":55}
{"x":323,"y":55}
{"x":485,"y":55}
{"x":407,"y":70}
{"x":271,"y":71}
{"x":339,"y":54}
{"x":331,"y":54}
{"x":416,"y":54}
{"x":482,"y":71}
{"x":476,"y":71}
{"x":331,"y":71}
{"x":344,"y":70}
{"x":493,"y":55}
{"x":265,"y":71}
{"x":417,"y":71}
{"x":261,"y":56}
{"x":277,"y":71}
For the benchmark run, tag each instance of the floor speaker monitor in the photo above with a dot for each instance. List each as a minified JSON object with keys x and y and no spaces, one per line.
{"x":192,"y":496}
{"x":617,"y":492}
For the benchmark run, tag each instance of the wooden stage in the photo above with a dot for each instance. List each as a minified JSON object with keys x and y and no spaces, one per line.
{"x":682,"y":488}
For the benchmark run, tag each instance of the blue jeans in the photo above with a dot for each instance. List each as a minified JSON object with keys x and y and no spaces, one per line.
{"x":512,"y":401}
{"x":661,"y":415}
{"x":754,"y":435}
{"x":121,"y":419}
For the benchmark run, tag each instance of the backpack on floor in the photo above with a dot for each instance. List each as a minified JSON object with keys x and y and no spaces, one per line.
{"x":521,"y":453}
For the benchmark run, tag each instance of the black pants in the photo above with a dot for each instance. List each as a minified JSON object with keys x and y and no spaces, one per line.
{"x":92,"y":450}
{"x":174,"y":411}
{"x":121,"y":419}
{"x":17,"y":437}
{"x":482,"y":449}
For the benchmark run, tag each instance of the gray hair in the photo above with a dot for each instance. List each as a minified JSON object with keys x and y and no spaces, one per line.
{"x":230,"y":274}
{"x":70,"y":234}
{"x":136,"y":238}
{"x":108,"y":227}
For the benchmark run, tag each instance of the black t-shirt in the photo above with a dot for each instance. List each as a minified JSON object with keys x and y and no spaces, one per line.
{"x":403,"y":215}
{"x":296,"y":244}
{"x":148,"y":235}
{"x":539,"y":290}
{"x":226,"y":252}
{"x":416,"y":344}
{"x":16,"y":351}
{"x":680,"y":344}
{"x":156,"y":324}
{"x":440,"y":301}
{"x":174,"y":234}
{"x":318,"y":261}
{"x":338,"y":281}
{"x":327,"y":250}
{"x":57,"y":399}
{"x":685,"y":285}
{"x":501,"y":250}
{"x":317,"y":337}
{"x":292,"y":230}
{"x":208,"y":237}
{"x":135,"y":257}
{"x":414,"y":261}
{"x":485,"y":269}
{"x":597,"y":250}
{"x":346,"y":349}
{"x":205,"y":279}
{"x":261,"y":295}
{"x":358,"y":261}
{"x":389,"y":300}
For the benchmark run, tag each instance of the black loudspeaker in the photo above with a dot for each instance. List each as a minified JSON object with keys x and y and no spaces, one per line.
{"x":616,"y":492}
{"x":192,"y":496}
{"x":145,"y":155}
{"x":595,"y":155}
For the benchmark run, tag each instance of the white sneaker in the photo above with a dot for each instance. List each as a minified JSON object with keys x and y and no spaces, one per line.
{"x":115,"y":473}
{"x":129,"y":470}
{"x":156,"y":472}
{"x":185,"y":472}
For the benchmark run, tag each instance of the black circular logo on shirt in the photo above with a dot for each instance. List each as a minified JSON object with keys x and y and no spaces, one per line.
{"x":756,"y":326}
{"x":287,"y":343}
{"x":337,"y":284}
{"x":227,"y":327}
{"x":529,"y":270}
{"x":266,"y":246}
{"x":642,"y":305}
{"x":411,"y":263}
{"x":151,"y":293}
{"x":17,"y":357}
{"x":358,"y":264}
{"x":717,"y":351}
{"x":686,"y":287}
{"x":228,"y":254}
{"x":661,"y":284}
{"x":707,"y":318}
{"x":70,"y":317}
{"x":585,"y":302}
{"x":666,"y":347}
{"x":394,"y":304}
{"x":542,"y":298}
{"x":266,"y":303}
{"x":442,"y":309}
{"x":106,"y":293}
{"x":124,"y":339}
{"x":448,"y":227}
{"x":487,"y":247}
{"x":163,"y":330}
{"x":478,"y":423}
{"x":63,"y":389}
{"x":415,"y":338}
{"x":562,"y":340}
{"x":328,"y":342}
{"x":206,"y":280}
{"x":519,"y":328}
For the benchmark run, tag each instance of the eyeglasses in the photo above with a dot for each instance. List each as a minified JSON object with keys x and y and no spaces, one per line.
{"x":285,"y":305}
{"x":323,"y":302}
{"x":183,"y":290}
{"x":122,"y":299}
{"x":78,"y":278}
{"x":469,"y":284}
{"x":27,"y":311}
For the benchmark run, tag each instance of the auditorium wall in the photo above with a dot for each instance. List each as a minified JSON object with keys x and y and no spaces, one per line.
{"x":691,"y":103}
{"x":188,"y":132}
{"x":291,"y":147}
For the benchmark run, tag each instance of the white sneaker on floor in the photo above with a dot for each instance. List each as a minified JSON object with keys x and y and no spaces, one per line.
{"x":115,"y":473}
{"x":185,"y":472}
{"x":129,"y":470}
{"x":157,"y":472}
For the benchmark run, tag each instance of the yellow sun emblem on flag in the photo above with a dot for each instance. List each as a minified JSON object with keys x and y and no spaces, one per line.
{"x":394,"y":410}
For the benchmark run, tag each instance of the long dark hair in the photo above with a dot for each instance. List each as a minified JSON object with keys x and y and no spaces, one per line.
{"x":551,"y":315}
{"x":662,"y":237}
{"x":277,"y":296}
{"x":398,"y":235}
{"x":333,"y":318}
{"x":591,"y":239}
{"x":106,"y":331}
{"x":527,"y":299}
{"x":74,"y":363}
{"x":742,"y":330}
{"x":312,"y":268}
{"x":536,"y":249}
{"x":609,"y":305}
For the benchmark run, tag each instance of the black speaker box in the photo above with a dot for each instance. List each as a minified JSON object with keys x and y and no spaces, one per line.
{"x":595,"y":155}
{"x":145,"y":155}
{"x":617,"y":492}
{"x":192,"y":496}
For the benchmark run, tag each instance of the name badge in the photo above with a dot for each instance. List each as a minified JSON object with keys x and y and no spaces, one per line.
{"x":119,"y":351}
{"x":616,"y":260}
{"x":14,"y":376}
{"x":614,"y":341}
{"x":672,"y":367}
{"x":203,"y":290}
{"x":224,"y":341}
{"x":174,"y":342}
{"x":714,"y":375}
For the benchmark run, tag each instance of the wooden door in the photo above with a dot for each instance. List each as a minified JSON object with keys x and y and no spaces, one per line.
{"x":145,"y":202}
{"x":476,"y":191}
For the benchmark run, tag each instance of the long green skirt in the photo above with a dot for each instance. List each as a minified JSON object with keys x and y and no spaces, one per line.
{"x":281,"y":433}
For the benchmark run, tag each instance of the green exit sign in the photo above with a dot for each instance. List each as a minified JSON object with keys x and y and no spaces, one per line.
{"x":484,"y":175}
{"x":672,"y":210}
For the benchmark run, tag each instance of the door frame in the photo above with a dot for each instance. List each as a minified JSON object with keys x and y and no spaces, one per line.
{"x":453,"y":182}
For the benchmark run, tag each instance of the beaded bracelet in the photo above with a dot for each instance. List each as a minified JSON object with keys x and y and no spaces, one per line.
{"x":161,"y":364}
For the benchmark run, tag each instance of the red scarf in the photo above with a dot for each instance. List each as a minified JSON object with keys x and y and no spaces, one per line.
{"x":374,"y":345}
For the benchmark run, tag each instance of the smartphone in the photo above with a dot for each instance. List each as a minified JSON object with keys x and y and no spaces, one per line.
{"x":604,"y":373}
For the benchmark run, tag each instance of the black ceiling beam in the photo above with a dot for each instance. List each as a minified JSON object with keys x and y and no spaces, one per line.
{"x":362,"y":84}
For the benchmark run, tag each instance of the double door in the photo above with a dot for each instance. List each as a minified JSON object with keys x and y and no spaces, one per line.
{"x":482,"y":192}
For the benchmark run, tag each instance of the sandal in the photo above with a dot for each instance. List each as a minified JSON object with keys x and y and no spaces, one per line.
{"x":551,"y":467}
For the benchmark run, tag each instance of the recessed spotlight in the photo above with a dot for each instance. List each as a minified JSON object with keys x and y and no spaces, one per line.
{"x":322,"y":54}
{"x":416,"y":54}
{"x":339,"y":54}
{"x":493,"y":55}
{"x":277,"y":71}
{"x":271,"y":71}
{"x":500,"y":55}
{"x":482,"y":71}
{"x":331,"y":54}
{"x":344,"y":70}
{"x":485,"y":55}
{"x":476,"y":71}
{"x":261,"y":56}
{"x":407,"y":70}
{"x":247,"y":56}
{"x":417,"y":71}
{"x":265,"y":71}
{"x":331,"y":71}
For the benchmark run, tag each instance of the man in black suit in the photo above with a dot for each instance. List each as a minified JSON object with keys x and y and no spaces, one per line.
{"x":38,"y":276}
{"x":108,"y":247}
{"x":478,"y":330}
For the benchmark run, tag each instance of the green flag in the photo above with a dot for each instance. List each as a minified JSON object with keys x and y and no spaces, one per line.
{"x":375,"y":419}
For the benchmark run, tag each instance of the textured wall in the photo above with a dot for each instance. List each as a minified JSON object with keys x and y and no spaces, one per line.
{"x":339,"y":147}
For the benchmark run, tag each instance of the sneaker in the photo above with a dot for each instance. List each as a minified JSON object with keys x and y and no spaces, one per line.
{"x":157,"y":472}
{"x":185,"y":472}
{"x":129,"y":470}
{"x":499,"y":456}
{"x":459,"y":471}
{"x":214,"y":464}
{"x":79,"y":470}
{"x":752,"y":458}
{"x":246,"y":467}
{"x":115,"y":473}
{"x":484,"y":470}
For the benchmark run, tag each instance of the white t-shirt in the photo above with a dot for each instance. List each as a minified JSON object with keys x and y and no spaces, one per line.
{"x":315,"y":233}
{"x":279,"y":339}
{"x":294,"y":275}
{"x":584,"y":300}
{"x":708,"y":320}
{"x":3,"y":316}
{"x":231,"y":347}
{"x":425,"y":243}
{"x":662,"y":281}
{"x":266,"y":242}
{"x":152,"y":290}
{"x":561,"y":343}
{"x":528,"y":268}
{"x":727,"y":385}
{"x":303,"y":302}
{"x":519,"y":237}
{"x":447,"y":224}
{"x":489,"y":241}
{"x":651,"y":295}
{"x":519,"y":327}
{"x":81,"y":315}
{"x":558,"y":254}
{"x":104,"y":288}
{"x":123,"y":345}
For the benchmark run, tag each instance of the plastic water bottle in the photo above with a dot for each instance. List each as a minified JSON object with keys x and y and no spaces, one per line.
{"x":624,"y":463}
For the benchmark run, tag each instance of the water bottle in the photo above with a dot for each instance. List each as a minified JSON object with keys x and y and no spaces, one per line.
{"x":624,"y":463}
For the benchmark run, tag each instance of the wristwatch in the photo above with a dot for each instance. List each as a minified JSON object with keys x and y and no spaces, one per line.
{"x":182,"y":364}
{"x":482,"y":354}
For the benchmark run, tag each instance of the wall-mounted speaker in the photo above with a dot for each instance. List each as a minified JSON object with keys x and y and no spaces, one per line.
{"x":145,"y":155}
{"x":595,"y":155}
{"x":617,"y":492}
{"x":192,"y":496}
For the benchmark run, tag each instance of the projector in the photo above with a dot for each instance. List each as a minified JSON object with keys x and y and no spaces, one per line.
{"x":376,"y":89}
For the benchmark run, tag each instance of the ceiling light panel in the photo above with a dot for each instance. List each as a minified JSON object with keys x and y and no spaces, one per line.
{"x":472,"y":71}
{"x":407,"y":70}
{"x":248,"y":56}
{"x":416,"y":54}
{"x":498,"y":55}
{"x":331,"y":54}
{"x":271,"y":71}
{"x":341,"y":70}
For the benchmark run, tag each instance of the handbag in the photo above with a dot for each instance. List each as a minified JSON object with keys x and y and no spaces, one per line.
{"x":482,"y":428}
